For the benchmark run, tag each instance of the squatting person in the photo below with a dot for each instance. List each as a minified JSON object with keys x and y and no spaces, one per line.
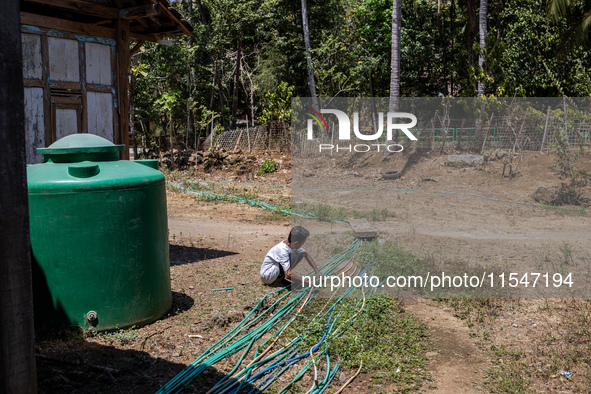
{"x":284,"y":256}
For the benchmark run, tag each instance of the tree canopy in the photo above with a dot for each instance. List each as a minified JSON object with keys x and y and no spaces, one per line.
{"x":245,"y":53}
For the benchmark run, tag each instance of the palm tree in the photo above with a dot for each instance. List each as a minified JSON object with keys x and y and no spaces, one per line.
{"x":395,"y":65}
{"x":482,"y":30}
{"x":579,"y":30}
{"x":311,"y":83}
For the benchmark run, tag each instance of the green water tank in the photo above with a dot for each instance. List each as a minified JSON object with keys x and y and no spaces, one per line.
{"x":99,"y":237}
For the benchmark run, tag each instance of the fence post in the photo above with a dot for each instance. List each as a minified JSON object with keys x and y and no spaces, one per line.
{"x":238,"y":140}
{"x":331,"y":136}
{"x":212,"y":130}
{"x":247,"y":134}
{"x":565,"y":120}
{"x":545,"y":130}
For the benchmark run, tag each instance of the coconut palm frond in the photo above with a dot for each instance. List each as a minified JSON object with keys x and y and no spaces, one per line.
{"x":558,"y":8}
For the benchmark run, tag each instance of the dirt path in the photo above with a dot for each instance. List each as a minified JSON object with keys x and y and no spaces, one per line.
{"x":457,"y":365}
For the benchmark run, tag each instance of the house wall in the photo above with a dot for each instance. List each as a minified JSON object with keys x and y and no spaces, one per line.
{"x":70,"y":87}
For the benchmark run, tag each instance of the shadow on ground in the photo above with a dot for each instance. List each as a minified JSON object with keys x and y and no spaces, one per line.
{"x":181,"y":254}
{"x":180,"y":303}
{"x":85,"y":367}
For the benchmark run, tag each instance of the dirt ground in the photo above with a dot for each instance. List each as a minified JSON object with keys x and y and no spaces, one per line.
{"x":218,"y":245}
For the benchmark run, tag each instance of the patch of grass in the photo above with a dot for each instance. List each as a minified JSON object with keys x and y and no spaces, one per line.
{"x":243,"y":193}
{"x":508,"y":376}
{"x":562,"y":346}
{"x":274,"y":216}
{"x":478,"y":310}
{"x":322,"y":212}
{"x":328,"y":213}
{"x":566,"y":254}
{"x":379,"y":214}
{"x":124,"y":336}
{"x":391,"y":259}
{"x":390,"y":342}
{"x":582,"y":212}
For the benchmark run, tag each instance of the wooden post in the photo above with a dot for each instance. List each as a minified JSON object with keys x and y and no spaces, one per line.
{"x":565,"y":120}
{"x":212,"y":130}
{"x":545,"y":130}
{"x":484,"y":140}
{"x":247,"y":134}
{"x":123,"y":64}
{"x":17,"y":335}
{"x":238,"y":140}
{"x":331,"y":135}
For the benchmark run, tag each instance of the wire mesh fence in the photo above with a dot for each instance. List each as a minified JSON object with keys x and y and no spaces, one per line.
{"x":470,"y":135}
{"x":269,"y":137}
{"x":512,"y":131}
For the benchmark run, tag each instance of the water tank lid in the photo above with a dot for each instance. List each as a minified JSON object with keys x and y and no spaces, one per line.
{"x":81,"y":143}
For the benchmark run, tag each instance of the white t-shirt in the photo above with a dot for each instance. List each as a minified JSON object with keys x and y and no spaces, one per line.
{"x":280,"y":254}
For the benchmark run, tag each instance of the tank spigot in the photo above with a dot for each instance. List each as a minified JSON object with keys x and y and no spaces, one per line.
{"x":92,"y":316}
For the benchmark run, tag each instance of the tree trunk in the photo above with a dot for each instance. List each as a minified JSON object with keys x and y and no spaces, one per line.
{"x":480,"y":84}
{"x":470,"y":31}
{"x":373,"y":104}
{"x":212,"y":97}
{"x":452,"y":19}
{"x":236,"y":81}
{"x":132,"y":84}
{"x":202,"y":12}
{"x":311,"y":83}
{"x":395,"y":66}
{"x":17,"y":351}
{"x":221,"y":99}
{"x":190,"y":125}
{"x":482,"y":31}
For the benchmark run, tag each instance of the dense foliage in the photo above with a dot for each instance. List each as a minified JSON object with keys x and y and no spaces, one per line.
{"x":246,"y":55}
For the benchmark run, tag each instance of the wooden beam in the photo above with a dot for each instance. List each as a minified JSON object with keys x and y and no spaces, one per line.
{"x":103,"y":22}
{"x":46,"y":92}
{"x":140,"y":11}
{"x":65,"y":85}
{"x":62,"y":24}
{"x":136,"y":49}
{"x":83,"y":127}
{"x":159,"y":31}
{"x":81,"y":7}
{"x":170,"y":14}
{"x":33,"y":83}
{"x":140,"y":37}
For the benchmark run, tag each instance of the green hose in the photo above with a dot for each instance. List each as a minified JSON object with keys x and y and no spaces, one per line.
{"x":272,"y":320}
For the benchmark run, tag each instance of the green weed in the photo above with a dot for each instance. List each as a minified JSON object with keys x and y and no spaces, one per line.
{"x":267,"y":167}
{"x":379,"y":214}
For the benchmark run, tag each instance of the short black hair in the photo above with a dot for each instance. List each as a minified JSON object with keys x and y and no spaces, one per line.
{"x":298,"y":233}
